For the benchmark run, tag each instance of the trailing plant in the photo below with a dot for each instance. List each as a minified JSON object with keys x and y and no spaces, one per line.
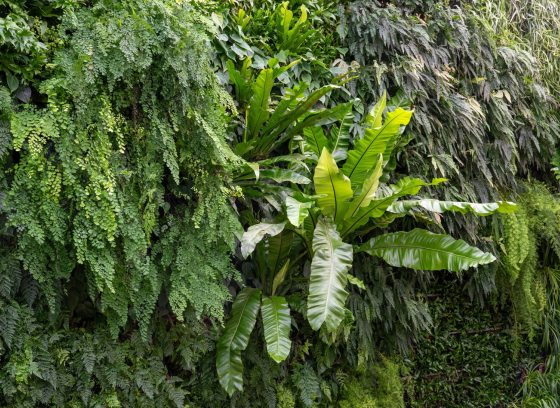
{"x":531,"y":254}
{"x":117,"y":173}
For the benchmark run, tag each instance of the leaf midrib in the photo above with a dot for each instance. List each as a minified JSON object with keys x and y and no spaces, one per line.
{"x":386,"y":246}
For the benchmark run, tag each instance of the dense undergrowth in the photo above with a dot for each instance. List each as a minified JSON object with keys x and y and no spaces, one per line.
{"x":163,"y":158}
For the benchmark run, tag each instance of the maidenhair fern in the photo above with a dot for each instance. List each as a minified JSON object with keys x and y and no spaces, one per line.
{"x":129,"y":151}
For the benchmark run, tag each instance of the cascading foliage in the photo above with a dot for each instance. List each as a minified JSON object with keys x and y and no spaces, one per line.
{"x":163,"y":158}
{"x":119,"y":173}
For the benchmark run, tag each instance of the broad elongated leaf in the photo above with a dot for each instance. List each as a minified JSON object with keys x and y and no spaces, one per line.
{"x":315,"y":139}
{"x":340,"y":137}
{"x":278,"y":249}
{"x":375,"y":117}
{"x":258,"y":105}
{"x":230,"y":369}
{"x":235,"y":339}
{"x":284,"y":175}
{"x":240,"y":79}
{"x":332,"y":186}
{"x":297,"y":210}
{"x":421,"y":249}
{"x":280,"y":276}
{"x":289,"y":101}
{"x":297,"y":160}
{"x":377,"y":140}
{"x":369,"y":189}
{"x":332,"y":259}
{"x":406,"y":206}
{"x":276,"y":323}
{"x":256,"y":233}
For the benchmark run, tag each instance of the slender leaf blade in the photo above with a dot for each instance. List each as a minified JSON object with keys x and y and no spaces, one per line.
{"x":340,"y":137}
{"x":315,"y":139}
{"x":297,"y":211}
{"x":369,"y":188}
{"x":284,"y":175}
{"x":230,"y":369}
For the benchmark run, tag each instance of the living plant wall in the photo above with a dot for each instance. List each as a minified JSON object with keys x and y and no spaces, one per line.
{"x":279,"y":204}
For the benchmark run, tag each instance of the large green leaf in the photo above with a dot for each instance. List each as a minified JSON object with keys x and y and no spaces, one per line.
{"x":230,"y":369}
{"x":421,"y":249}
{"x":235,"y":339}
{"x":340,"y":137}
{"x":315,"y":139}
{"x":240,"y":79}
{"x":297,"y":211}
{"x":332,"y":259}
{"x":377,"y":140}
{"x":276,"y":322}
{"x":332,"y":186}
{"x":375,"y":117}
{"x":369,"y":188}
{"x":406,"y":206}
{"x":258,"y":105}
{"x":279,"y":277}
{"x":256,"y":233}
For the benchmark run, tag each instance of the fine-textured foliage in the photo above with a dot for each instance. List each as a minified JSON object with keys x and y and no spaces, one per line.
{"x":100,"y":163}
{"x":136,"y":137}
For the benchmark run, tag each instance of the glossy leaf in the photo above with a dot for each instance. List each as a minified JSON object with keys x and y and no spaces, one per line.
{"x":320,"y":118}
{"x":276,"y":323}
{"x":230,"y":369}
{"x":315,"y":139}
{"x":282,"y":122}
{"x":356,"y":282}
{"x":421,"y":249}
{"x":375,"y":117}
{"x":377,"y":140}
{"x":297,"y":211}
{"x":369,"y":188}
{"x":340,"y":137}
{"x":406,"y":206}
{"x":284,"y":175}
{"x":258,"y":105}
{"x":235,"y":339}
{"x":280,"y":276}
{"x":256,"y":233}
{"x":332,"y":259}
{"x":332,"y":186}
